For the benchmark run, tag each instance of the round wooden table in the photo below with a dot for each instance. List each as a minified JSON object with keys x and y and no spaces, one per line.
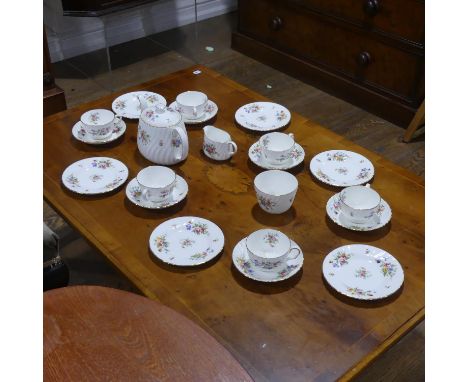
{"x":94,"y":334}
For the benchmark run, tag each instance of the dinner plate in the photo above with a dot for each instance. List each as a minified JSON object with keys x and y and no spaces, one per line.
{"x":186,"y":241}
{"x":342,"y":168}
{"x":96,"y":175}
{"x":262,"y":116}
{"x":363,"y":272}
{"x":80,"y":133}
{"x":128,"y":104}
{"x":244,"y":265}
{"x":133,"y":193}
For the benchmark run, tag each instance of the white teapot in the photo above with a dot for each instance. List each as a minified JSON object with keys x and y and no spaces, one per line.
{"x":162,"y":137}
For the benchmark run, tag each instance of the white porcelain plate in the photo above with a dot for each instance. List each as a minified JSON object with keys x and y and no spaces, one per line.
{"x":80,"y":133}
{"x":262,"y":116}
{"x":363,"y":272}
{"x":133,"y":193}
{"x":244,"y":265}
{"x":211,"y":109}
{"x":95,"y":175}
{"x":341,"y":168}
{"x":128,"y":104}
{"x":256,"y":156}
{"x":384,"y":216}
{"x":186,"y":241}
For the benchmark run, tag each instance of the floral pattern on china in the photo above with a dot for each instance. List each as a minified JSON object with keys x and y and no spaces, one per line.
{"x":247,"y":267}
{"x":341,"y":168}
{"x":128,"y":105}
{"x":296,"y":156}
{"x":262,"y":116}
{"x":186,"y":241}
{"x":363,"y":271}
{"x":95,"y":175}
{"x":333,"y":208}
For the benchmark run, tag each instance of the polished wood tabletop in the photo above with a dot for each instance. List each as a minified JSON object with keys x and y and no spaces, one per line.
{"x":295,"y":330}
{"x":93,"y":333}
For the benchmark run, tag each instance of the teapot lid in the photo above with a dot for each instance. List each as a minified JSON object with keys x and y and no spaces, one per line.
{"x":161,"y":116}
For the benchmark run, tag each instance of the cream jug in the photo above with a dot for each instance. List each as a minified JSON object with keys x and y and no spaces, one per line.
{"x":162,"y":137}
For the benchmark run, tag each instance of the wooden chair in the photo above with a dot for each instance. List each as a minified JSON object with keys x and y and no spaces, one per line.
{"x":417,"y":121}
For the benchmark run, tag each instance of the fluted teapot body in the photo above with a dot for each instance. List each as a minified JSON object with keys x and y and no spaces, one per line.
{"x":162,"y":137}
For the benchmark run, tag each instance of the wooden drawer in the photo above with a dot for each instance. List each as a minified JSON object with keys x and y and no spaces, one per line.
{"x":312,"y":38}
{"x":401,"y":19}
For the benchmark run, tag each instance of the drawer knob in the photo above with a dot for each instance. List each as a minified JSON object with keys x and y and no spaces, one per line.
{"x":276,"y":23}
{"x":371,"y":7}
{"x":364,"y":58}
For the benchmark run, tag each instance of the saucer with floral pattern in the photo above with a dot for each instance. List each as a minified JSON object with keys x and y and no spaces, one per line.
{"x":179,"y":192}
{"x":186,"y":241}
{"x":362,"y":272}
{"x":244,"y":265}
{"x":296,"y":156}
{"x":341,"y":168}
{"x":383,"y":217}
{"x":96,"y":175}
{"x":80,"y":133}
{"x":211,"y":109}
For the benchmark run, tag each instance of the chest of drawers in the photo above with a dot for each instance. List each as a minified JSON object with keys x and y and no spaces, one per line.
{"x":368,"y":52}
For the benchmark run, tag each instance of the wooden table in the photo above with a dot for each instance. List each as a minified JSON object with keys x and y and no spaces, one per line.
{"x":297,"y":330}
{"x":101,"y":334}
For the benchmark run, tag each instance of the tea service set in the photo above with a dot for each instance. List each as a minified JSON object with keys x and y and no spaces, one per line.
{"x":266,"y":255}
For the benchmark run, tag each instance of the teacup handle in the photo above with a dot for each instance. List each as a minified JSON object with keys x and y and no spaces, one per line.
{"x":298,"y":253}
{"x":234,"y":147}
{"x":195,"y":111}
{"x":118,"y":119}
{"x":144,"y":193}
{"x":291,"y":135}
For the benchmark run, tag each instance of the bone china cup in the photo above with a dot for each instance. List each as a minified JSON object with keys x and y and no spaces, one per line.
{"x":99,"y":123}
{"x":277,"y":147}
{"x":359,"y":203}
{"x":275,"y":190}
{"x":156,"y":183}
{"x":269,"y":249}
{"x":191,"y":104}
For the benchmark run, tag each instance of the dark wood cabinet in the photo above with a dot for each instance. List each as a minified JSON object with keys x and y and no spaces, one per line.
{"x":53,"y":99}
{"x":93,"y":8}
{"x":369,"y":52}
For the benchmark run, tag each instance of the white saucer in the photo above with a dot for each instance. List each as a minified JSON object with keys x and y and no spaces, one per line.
{"x":186,"y":241}
{"x":262,"y":116}
{"x":334,"y":213}
{"x":128,"y":104}
{"x":96,"y":175}
{"x":211,"y":109}
{"x":363,"y":272}
{"x":341,"y":168}
{"x":244,"y":265}
{"x":180,"y":191}
{"x":80,"y":133}
{"x":296,"y":157}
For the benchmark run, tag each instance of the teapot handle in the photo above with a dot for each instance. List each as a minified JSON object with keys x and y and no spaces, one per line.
{"x":179,"y":141}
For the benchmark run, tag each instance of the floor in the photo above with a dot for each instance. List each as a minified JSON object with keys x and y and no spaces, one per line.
{"x":88,"y":77}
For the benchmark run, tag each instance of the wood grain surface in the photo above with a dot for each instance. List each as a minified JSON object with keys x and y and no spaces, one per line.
{"x":297,"y":330}
{"x":93,"y":333}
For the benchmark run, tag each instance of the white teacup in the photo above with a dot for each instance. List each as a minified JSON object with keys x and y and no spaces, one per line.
{"x":269,"y":249}
{"x":156,"y":183}
{"x":217,"y":143}
{"x":275,"y":190}
{"x":277,"y":147}
{"x":191,"y":104}
{"x":99,"y":123}
{"x":359,"y":203}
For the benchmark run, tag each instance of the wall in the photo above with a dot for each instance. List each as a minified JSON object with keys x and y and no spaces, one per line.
{"x":72,"y":36}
